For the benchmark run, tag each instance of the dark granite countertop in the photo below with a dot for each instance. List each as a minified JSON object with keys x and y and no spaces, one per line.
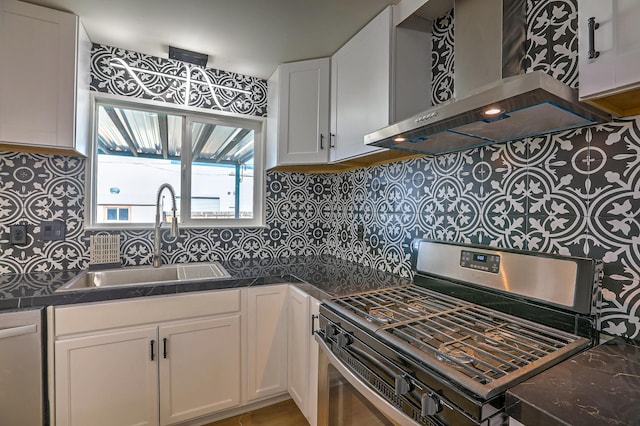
{"x":320,"y":276}
{"x":600,"y":386}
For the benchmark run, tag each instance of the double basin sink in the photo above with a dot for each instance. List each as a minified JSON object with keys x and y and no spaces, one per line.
{"x":141,"y":275}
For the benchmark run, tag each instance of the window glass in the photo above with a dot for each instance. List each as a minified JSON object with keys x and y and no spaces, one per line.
{"x":137,"y":149}
{"x":116,"y":214}
{"x":221,"y":171}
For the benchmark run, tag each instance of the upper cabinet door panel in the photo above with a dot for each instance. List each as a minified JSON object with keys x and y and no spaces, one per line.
{"x":306,"y":85}
{"x":360,"y":87}
{"x":298,"y":113}
{"x":617,"y":41}
{"x":37,"y":75}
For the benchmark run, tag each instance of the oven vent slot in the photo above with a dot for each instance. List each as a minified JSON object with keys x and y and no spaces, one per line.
{"x":422,"y":420}
{"x":387,"y":392}
{"x":356,"y":366}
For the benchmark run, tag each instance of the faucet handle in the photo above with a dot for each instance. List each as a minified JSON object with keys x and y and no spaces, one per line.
{"x":174,"y":226}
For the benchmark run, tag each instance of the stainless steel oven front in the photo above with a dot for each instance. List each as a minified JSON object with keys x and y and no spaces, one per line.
{"x":345,"y":400}
{"x":444,"y":350}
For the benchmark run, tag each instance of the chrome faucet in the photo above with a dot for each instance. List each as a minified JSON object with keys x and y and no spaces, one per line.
{"x":157,"y":259}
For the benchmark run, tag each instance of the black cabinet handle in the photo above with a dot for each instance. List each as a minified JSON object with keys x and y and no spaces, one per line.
{"x":164,"y":347}
{"x":332,"y":140}
{"x":313,"y":323}
{"x":153,"y":352}
{"x":321,"y":141}
{"x":593,"y":26}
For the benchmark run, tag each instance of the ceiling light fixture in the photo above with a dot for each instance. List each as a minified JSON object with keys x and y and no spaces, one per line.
{"x":195,"y":58}
{"x":177,"y":81}
{"x":493,"y":111}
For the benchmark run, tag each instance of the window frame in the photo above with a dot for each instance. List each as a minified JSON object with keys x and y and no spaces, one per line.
{"x":190,"y":115}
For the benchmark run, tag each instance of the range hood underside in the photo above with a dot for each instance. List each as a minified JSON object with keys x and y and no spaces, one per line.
{"x":532,"y":104}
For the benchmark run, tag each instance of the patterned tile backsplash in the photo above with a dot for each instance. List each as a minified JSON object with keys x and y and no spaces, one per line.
{"x":575,"y":192}
{"x":106,"y":78}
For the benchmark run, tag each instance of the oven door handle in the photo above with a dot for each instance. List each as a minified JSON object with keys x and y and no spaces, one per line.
{"x":390,"y":411}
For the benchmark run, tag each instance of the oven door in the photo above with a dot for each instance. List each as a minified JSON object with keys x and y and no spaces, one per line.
{"x":343,"y":399}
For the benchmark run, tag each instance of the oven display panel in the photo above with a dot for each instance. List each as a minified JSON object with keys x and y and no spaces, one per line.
{"x":480,"y":261}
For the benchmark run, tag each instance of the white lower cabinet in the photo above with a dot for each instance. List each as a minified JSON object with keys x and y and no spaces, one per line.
{"x":199,"y":365}
{"x":303,"y":355}
{"x":172,"y":359}
{"x":267,"y":341}
{"x":171,"y":364}
{"x":314,"y":349}
{"x":107,"y":379}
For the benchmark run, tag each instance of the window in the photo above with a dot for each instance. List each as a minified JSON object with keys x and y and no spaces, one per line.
{"x":116,"y":214}
{"x":213,"y":161}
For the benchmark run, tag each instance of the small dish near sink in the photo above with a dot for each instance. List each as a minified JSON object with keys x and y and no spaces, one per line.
{"x":141,"y":275}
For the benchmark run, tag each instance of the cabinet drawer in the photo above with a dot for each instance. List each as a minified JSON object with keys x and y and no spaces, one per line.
{"x":102,"y":316}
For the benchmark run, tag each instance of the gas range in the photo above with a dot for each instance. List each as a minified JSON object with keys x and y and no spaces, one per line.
{"x":476,"y":321}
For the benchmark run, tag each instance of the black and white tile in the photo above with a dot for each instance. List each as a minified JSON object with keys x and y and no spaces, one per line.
{"x":36,"y":188}
{"x":106,"y":78}
{"x":442,"y":59}
{"x":552,"y":39}
{"x":576,"y":192}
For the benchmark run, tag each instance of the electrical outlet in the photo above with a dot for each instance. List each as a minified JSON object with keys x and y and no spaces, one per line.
{"x":52,"y":230}
{"x":18,"y":234}
{"x":360,"y":232}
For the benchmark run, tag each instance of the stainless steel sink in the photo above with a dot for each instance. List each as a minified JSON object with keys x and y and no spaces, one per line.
{"x":140,"y":275}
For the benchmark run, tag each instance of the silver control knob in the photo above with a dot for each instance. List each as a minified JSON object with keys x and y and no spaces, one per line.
{"x":330,"y":330}
{"x":403,"y":384}
{"x":431,"y":404}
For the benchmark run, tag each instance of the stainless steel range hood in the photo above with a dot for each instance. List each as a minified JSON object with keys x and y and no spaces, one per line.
{"x":489,"y":51}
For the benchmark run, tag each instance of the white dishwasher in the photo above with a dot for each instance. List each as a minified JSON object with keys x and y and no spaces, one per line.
{"x":21,"y":366}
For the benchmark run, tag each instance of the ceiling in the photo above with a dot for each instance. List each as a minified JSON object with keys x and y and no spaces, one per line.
{"x":245,"y":36}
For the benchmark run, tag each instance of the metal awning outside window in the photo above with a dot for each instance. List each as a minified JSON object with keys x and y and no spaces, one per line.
{"x":150,"y":134}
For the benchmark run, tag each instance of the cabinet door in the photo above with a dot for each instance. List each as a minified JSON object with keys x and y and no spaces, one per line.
{"x":37,"y":75}
{"x":199,"y":368}
{"x":108,"y":379}
{"x":299,"y":332}
{"x":314,"y":306}
{"x":360,"y":85}
{"x":267,"y":341}
{"x":618,"y":42}
{"x":303,"y":115}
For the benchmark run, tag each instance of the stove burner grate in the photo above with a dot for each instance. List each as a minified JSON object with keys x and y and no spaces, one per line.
{"x":380,"y":315}
{"x":457,"y":352}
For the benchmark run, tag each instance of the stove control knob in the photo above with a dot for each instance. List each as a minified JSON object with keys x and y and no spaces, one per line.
{"x":431,"y":404}
{"x":330,"y":330}
{"x":344,"y":340}
{"x":403,"y":384}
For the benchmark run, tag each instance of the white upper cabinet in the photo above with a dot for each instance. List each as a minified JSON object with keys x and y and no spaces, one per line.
{"x":319,"y":110}
{"x":360,"y":88}
{"x":298,"y":114}
{"x":44,"y":79}
{"x":610,"y":75}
